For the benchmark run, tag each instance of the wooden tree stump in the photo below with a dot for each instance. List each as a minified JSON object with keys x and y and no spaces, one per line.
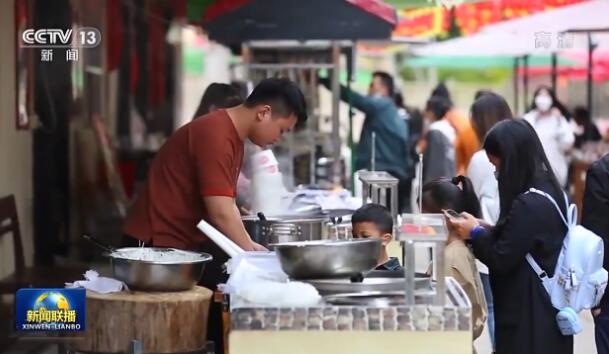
{"x":170,"y":322}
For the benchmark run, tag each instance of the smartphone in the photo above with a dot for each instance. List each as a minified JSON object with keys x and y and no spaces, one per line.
{"x":453,"y":214}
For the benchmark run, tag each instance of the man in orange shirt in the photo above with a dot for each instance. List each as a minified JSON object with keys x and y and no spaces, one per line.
{"x":194,"y":174}
{"x":466,"y":143}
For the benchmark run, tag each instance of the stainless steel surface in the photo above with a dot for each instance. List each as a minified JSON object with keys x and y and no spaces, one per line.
{"x":166,"y":275}
{"x":409,"y":264}
{"x":302,"y":62}
{"x":377,"y":185}
{"x":99,"y":243}
{"x":420,"y":183}
{"x":339,"y":231}
{"x":341,"y":286}
{"x":336,"y":139}
{"x":285,"y":228}
{"x":327,"y":259}
{"x":438,"y":257}
{"x":306,"y":210}
{"x":374,"y":299}
{"x":424,"y":231}
{"x":373,"y":153}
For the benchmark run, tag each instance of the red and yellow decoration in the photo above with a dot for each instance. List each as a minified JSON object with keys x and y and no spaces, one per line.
{"x":470,"y":17}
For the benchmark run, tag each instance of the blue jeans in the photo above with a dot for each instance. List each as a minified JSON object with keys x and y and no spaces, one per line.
{"x":488,"y":295}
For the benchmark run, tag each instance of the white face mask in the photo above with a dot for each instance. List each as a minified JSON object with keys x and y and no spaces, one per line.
{"x":543,"y":102}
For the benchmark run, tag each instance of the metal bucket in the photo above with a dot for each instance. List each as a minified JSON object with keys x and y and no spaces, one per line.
{"x":279,"y":229}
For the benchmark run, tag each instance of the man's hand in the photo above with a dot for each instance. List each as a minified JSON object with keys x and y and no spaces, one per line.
{"x":223,"y":214}
{"x":259,"y":247}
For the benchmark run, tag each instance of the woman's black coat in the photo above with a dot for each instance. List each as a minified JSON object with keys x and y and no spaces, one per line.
{"x":524,"y":317}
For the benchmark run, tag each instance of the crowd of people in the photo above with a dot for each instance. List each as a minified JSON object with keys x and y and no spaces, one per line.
{"x":482,"y":168}
{"x":478,"y":167}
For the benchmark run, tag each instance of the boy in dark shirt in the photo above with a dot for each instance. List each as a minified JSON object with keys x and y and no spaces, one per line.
{"x":375,"y":221}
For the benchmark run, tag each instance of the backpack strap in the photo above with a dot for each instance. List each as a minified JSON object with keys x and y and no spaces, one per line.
{"x":571,"y":218}
{"x":543,"y":276}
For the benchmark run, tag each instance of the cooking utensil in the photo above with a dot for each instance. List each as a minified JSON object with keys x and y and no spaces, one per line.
{"x":373,"y":299}
{"x":154,"y":269}
{"x":337,"y":212}
{"x":284,"y":228}
{"x":181,"y":273}
{"x":327,"y":259}
{"x":99,"y":243}
{"x":305,"y":210}
{"x":345,"y":286}
{"x":339,"y":229}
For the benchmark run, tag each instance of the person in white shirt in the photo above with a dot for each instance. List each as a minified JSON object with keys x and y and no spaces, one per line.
{"x":547,"y":116}
{"x":438,"y":145}
{"x":488,"y":109}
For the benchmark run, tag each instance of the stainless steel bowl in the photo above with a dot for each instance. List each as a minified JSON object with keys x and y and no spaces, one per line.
{"x":327,"y":259}
{"x":158,"y":275}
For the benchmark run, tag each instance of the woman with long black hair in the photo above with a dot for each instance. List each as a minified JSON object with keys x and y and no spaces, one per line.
{"x":488,"y":109}
{"x":528,"y":223}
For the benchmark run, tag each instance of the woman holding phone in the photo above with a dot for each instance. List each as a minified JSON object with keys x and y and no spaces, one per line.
{"x":528,"y":223}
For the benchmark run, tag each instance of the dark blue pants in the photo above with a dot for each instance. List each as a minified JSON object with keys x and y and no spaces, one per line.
{"x":601,"y":327}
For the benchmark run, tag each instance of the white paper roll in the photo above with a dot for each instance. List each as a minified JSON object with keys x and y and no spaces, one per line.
{"x":226,"y":244}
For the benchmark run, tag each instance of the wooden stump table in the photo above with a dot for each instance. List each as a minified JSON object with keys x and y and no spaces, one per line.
{"x":169,"y":322}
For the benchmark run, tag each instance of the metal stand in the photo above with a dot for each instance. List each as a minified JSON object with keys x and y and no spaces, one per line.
{"x":301,"y":62}
{"x":424,"y":230}
{"x":377,"y":185}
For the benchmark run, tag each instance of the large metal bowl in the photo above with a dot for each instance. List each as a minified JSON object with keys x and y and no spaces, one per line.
{"x":327,"y":259}
{"x":158,"y":275}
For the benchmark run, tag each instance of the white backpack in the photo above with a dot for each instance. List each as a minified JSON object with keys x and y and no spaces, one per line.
{"x":579,"y":279}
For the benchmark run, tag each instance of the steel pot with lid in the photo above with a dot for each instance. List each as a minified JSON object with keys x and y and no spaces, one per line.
{"x":285,"y":228}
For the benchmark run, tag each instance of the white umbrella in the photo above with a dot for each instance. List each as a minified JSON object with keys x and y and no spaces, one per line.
{"x":485,"y":44}
{"x":541,"y":33}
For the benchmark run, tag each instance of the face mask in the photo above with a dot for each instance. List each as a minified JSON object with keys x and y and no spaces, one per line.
{"x":496,"y":173}
{"x":543,"y":102}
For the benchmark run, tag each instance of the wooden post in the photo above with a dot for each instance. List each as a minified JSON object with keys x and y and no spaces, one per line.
{"x":169,"y":322}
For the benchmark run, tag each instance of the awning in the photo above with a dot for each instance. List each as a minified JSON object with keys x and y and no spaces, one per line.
{"x":585,"y":15}
{"x":473,"y":62}
{"x":236,"y":21}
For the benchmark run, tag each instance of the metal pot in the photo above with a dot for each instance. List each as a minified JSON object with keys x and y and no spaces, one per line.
{"x":154,"y":269}
{"x":327,"y":259}
{"x":285,"y":228}
{"x":158,"y":275}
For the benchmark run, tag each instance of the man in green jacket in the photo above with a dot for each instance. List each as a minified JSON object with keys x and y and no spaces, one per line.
{"x":391,"y":143}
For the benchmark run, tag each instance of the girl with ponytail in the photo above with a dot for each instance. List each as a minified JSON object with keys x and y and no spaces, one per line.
{"x":458,"y":194}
